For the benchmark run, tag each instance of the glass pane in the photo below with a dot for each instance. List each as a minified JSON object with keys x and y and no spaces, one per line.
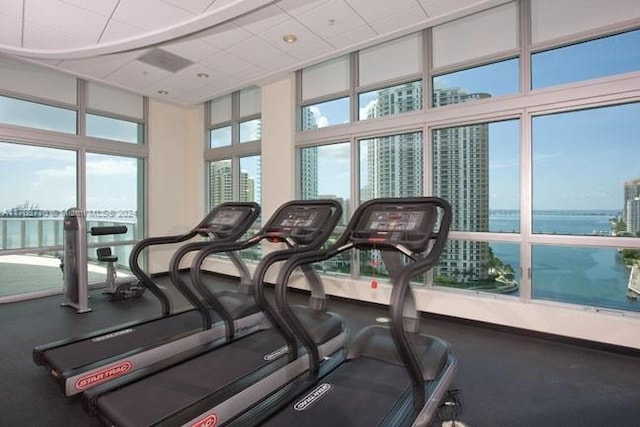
{"x":251,"y":130}
{"x":29,"y":273}
{"x":477,"y":168}
{"x":390,"y":101}
{"x":250,"y":179}
{"x":325,"y":114}
{"x":585,"y":172}
{"x":337,"y":265}
{"x":220,"y":183}
{"x":118,"y":130}
{"x":486,"y":81}
{"x":39,"y":116}
{"x":325,"y":173}
{"x":602,"y":57}
{"x":220,"y":137}
{"x":391,"y":166}
{"x":37,"y":186}
{"x":479,"y":266}
{"x":114,"y":196}
{"x":586,"y":276}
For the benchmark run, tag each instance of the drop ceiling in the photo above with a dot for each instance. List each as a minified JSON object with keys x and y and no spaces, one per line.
{"x":189,"y":51}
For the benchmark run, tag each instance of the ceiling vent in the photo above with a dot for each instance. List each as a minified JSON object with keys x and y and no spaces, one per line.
{"x":164,"y":60}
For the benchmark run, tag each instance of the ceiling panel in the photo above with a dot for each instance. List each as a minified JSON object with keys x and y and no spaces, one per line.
{"x":99,"y":67}
{"x":194,"y":49}
{"x":262,"y":19}
{"x":103,"y":7}
{"x":136,"y":13}
{"x":193,"y":6}
{"x":236,"y":53}
{"x":225,"y":36}
{"x":116,"y":30}
{"x":406,"y":17}
{"x":54,"y":15}
{"x":10,"y":30}
{"x":333,"y":20}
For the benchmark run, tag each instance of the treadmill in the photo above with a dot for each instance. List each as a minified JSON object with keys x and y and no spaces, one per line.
{"x":81,"y":363}
{"x":390,"y":376}
{"x":215,"y":386}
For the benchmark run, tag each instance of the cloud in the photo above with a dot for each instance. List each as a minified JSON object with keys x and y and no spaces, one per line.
{"x":321,"y":120}
{"x":364,"y":111}
{"x":111,"y":167}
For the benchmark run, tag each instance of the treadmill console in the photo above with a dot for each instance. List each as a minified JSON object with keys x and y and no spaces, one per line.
{"x":407,"y":225}
{"x":225,"y":221}
{"x":302,"y":223}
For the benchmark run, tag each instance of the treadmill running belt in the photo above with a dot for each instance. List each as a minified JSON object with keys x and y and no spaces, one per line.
{"x":359,"y":393}
{"x":151,"y":399}
{"x":88,"y":351}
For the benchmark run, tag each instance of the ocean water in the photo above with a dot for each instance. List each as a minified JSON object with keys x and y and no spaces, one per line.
{"x":579,"y":275}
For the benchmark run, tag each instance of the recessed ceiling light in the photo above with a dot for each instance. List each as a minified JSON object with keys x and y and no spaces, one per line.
{"x":203,"y":75}
{"x":289,"y":38}
{"x":163,"y":92}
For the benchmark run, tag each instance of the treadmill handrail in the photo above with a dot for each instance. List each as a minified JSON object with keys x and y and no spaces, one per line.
{"x":179,"y":238}
{"x":401,"y":292}
{"x":265,"y":263}
{"x":346,"y":242}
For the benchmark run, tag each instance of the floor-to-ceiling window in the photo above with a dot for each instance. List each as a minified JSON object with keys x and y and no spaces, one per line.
{"x":233,"y":152}
{"x":528,"y":130}
{"x":64,"y":143}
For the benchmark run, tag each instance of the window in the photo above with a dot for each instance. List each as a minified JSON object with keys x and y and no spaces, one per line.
{"x":35,"y":115}
{"x":115,"y":129}
{"x":476,"y":168}
{"x":585,"y":171}
{"x":602,"y":57}
{"x":479,"y":266}
{"x":41,"y":178}
{"x":486,"y":81}
{"x":234,"y":173}
{"x":325,"y":173}
{"x":220,"y":183}
{"x":250,"y":179}
{"x":391,"y":100}
{"x":250,"y":130}
{"x":547,"y":183}
{"x":220,"y":137}
{"x":391,"y":166}
{"x":114,"y":114}
{"x":328,"y":113}
{"x":114,"y":194}
{"x":590,"y":276}
{"x":38,"y":185}
{"x":324,"y":100}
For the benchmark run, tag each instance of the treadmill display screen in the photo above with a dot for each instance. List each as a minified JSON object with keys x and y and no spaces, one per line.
{"x":395,"y":220}
{"x":226,"y":217}
{"x":296,"y":219}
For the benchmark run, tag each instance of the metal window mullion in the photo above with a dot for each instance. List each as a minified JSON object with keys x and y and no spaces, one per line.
{"x":526,"y":205}
{"x":81,"y":97}
{"x":427,"y":67}
{"x":81,"y":178}
{"x":355,"y":198}
{"x":524,"y":13}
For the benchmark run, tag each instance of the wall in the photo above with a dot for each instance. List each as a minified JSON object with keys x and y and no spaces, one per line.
{"x":175,"y":174}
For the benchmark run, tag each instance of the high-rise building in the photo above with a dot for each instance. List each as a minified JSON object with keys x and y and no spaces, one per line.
{"x":461,"y":176}
{"x":395,"y":163}
{"x":221,"y":184}
{"x":631,"y":210}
